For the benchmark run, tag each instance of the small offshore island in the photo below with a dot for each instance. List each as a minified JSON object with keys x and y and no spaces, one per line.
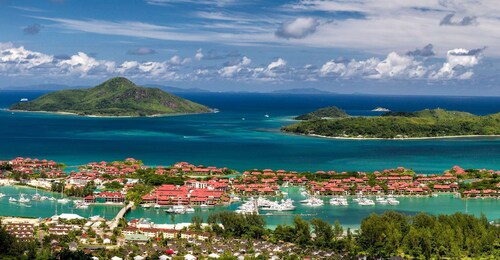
{"x":332,"y":122}
{"x":117,"y":97}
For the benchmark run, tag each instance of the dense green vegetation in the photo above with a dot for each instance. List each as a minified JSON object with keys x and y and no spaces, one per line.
{"x":88,"y":189}
{"x":115,"y":97}
{"x":382,"y":236}
{"x":326,"y":112}
{"x":425,"y":123}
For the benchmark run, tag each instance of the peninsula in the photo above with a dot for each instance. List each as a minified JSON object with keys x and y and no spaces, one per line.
{"x":428,"y":123}
{"x":115,"y":97}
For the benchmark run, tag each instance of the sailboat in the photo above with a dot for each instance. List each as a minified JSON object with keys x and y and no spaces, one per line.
{"x":36,"y":196}
{"x":63,"y":200}
{"x":22,"y":199}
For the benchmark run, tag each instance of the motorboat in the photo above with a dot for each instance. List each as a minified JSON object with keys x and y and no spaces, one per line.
{"x":339,"y":201}
{"x":365,"y":202}
{"x":313,"y":202}
{"x":284,"y":205}
{"x":392,"y":201}
{"x":63,"y":201}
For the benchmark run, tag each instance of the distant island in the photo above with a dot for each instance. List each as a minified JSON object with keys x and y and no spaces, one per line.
{"x":301,"y":91}
{"x":428,"y":123}
{"x":115,"y":97}
{"x":326,"y":112}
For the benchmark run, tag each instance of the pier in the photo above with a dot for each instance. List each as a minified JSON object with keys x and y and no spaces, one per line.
{"x":114,"y":222}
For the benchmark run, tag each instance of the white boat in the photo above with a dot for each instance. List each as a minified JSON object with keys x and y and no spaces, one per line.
{"x":381,"y":200}
{"x":178,"y":209}
{"x":52,"y":199}
{"x":392,"y":201}
{"x":236,"y":198}
{"x":22,"y":199}
{"x":11,"y":199}
{"x":146,"y":206}
{"x":365,"y":202}
{"x":203,"y":205}
{"x":266,"y":115}
{"x":2,"y":195}
{"x":36,"y":196}
{"x":81,"y":204}
{"x":284,"y":205}
{"x":44,"y":198}
{"x":339,"y":201}
{"x":313,"y":202}
{"x":157,"y":206}
{"x":249,"y":207}
{"x":189,"y":210}
{"x":24,"y":100}
{"x":63,"y":201}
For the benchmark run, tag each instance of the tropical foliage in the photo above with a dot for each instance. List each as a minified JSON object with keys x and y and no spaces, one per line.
{"x":326,"y":112}
{"x":425,"y":123}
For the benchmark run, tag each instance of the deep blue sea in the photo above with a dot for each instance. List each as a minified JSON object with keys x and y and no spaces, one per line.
{"x":225,"y":139}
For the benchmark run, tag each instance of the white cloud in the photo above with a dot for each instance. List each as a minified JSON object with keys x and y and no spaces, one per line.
{"x":396,"y":65}
{"x":298,"y":28}
{"x":232,"y":70}
{"x":279,"y":63}
{"x":82,"y":65}
{"x":458,"y":64}
{"x":199,"y":54}
{"x":332,"y":68}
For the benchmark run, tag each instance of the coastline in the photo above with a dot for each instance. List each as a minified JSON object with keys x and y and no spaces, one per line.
{"x":101,"y":116}
{"x":396,"y":139}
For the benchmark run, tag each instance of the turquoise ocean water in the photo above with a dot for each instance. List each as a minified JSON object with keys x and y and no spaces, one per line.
{"x":241,"y":137}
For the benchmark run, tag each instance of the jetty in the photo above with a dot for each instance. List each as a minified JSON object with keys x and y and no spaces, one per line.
{"x":114,"y":222}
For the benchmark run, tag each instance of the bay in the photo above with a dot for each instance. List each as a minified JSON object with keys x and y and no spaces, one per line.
{"x":226,"y":140}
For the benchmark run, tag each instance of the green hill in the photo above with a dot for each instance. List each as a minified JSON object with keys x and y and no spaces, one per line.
{"x":326,"y":112}
{"x":425,"y":123}
{"x":115,"y":97}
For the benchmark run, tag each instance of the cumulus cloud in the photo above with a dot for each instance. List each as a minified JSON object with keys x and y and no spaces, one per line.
{"x":466,"y":20}
{"x":298,"y":28}
{"x":199,"y":54}
{"x":279,"y":63}
{"x":427,"y":51}
{"x":141,"y":51}
{"x":32,"y":29}
{"x":82,"y":64}
{"x":458,"y":64}
{"x":233,"y":70}
{"x":18,"y":61}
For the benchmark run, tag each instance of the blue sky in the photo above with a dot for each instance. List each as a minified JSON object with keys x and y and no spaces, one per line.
{"x":365,"y":46}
